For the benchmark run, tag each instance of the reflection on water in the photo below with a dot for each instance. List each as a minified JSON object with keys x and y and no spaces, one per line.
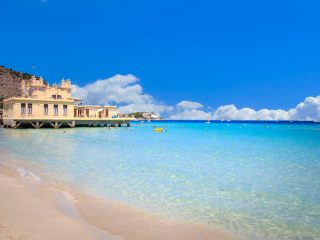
{"x":261,"y":180}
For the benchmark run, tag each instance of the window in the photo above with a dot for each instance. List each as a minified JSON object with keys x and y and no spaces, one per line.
{"x":29,"y":108}
{"x":23,"y":108}
{"x":45,"y":109}
{"x":56,"y":96}
{"x":65,"y":110}
{"x":55,"y":110}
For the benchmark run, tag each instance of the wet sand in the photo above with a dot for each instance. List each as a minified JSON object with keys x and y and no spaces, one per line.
{"x":31,"y":209}
{"x":136,"y":224}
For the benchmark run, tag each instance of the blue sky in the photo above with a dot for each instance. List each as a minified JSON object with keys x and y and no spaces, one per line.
{"x":258,"y":54}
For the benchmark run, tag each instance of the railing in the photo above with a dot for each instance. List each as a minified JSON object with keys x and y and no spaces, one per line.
{"x":95,"y":116}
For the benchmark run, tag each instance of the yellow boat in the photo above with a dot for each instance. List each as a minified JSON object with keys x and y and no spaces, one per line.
{"x":158,"y":129}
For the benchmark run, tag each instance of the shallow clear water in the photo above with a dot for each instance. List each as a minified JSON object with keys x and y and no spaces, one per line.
{"x":259,"y":180}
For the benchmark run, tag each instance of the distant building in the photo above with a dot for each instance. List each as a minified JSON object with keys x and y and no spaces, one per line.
{"x":41,"y":104}
{"x":123,"y":115}
{"x":151,"y":116}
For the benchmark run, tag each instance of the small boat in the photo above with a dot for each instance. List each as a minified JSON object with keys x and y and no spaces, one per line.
{"x":158,"y":129}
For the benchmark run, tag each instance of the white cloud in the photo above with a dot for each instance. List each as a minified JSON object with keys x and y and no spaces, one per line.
{"x":231,"y":112}
{"x":145,"y":107}
{"x":118,"y":89}
{"x":189,"y":105}
{"x":127,"y":92}
{"x":188,"y":110}
{"x":123,"y":90}
{"x":266,"y":114}
{"x":191,"y":114}
{"x":308,"y":110}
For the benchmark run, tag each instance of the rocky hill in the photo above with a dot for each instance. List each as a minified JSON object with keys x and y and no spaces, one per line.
{"x":10,"y":81}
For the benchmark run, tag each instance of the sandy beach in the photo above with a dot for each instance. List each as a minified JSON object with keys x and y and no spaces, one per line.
{"x":30,"y":209}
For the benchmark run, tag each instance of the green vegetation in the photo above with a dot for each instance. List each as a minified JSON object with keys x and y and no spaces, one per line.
{"x":1,"y":103}
{"x":26,"y":76}
{"x":136,"y":114}
{"x":22,"y":75}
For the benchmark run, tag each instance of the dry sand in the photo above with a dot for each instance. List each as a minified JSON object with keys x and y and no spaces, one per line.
{"x":32,"y":210}
{"x":29,"y":211}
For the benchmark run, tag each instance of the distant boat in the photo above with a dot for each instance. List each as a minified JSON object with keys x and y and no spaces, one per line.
{"x":208,"y":121}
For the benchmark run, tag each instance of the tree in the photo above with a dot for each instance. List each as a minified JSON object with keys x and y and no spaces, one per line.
{"x":137,"y":114}
{"x":1,"y":103}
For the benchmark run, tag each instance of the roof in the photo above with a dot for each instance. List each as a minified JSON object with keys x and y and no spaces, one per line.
{"x":94,"y":106}
{"x":24,"y":99}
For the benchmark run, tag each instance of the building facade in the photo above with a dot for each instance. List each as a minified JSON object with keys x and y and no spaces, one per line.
{"x":43,"y":105}
{"x":91,"y":111}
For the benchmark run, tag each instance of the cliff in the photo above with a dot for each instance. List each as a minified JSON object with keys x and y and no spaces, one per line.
{"x":10,"y":81}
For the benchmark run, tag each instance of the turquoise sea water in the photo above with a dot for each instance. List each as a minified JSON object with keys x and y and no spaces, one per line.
{"x":258,"y":180}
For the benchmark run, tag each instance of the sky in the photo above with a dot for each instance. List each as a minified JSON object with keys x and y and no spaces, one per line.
{"x":184,"y":59}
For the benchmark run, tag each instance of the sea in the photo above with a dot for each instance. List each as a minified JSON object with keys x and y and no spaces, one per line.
{"x":260,"y":180}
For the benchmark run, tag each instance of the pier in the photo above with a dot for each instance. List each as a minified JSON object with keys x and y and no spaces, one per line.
{"x":43,"y":106}
{"x":66,"y":123}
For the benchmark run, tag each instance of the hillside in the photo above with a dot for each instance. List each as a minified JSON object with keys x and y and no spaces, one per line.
{"x":10,"y":81}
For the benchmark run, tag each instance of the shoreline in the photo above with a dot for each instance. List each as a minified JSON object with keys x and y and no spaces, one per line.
{"x":32,"y":209}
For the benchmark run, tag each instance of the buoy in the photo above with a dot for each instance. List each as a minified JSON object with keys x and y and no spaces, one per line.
{"x":158,"y":129}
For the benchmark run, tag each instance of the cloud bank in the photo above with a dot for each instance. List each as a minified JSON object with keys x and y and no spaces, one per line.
{"x":231,"y":112}
{"x":188,"y":110}
{"x":308,"y":110}
{"x":189,"y":105}
{"x":122,"y":90}
{"x":126,"y":92}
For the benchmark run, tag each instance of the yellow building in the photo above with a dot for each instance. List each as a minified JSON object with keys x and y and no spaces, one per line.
{"x":91,"y":111}
{"x":43,"y":105}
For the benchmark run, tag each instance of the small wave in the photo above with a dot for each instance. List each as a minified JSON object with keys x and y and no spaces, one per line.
{"x":28,"y":173}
